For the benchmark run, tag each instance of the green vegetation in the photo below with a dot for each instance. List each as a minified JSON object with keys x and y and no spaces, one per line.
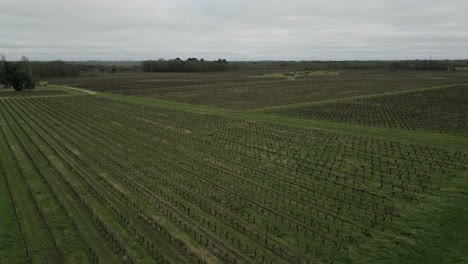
{"x":55,"y":69}
{"x":434,"y":233}
{"x":166,"y":177}
{"x":16,"y":75}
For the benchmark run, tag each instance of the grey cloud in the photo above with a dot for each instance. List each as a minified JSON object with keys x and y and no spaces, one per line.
{"x":236,"y":30}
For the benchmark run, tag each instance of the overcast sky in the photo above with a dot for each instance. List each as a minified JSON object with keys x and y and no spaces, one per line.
{"x":233,"y":29}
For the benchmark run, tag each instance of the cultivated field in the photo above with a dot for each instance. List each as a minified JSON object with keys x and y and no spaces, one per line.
{"x":6,"y":94}
{"x":438,"y":111}
{"x":114,"y":178}
{"x":250,"y":89}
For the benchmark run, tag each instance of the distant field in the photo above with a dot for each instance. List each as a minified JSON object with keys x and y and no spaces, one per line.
{"x":439,"y":111}
{"x":238,"y":90}
{"x":115,"y":182}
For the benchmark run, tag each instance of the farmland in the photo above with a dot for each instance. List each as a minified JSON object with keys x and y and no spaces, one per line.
{"x":241,"y":90}
{"x":5,"y":94}
{"x":436,"y":111}
{"x":134,"y":174}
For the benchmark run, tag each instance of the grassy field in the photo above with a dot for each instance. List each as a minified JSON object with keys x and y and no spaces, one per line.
{"x":113,"y":178}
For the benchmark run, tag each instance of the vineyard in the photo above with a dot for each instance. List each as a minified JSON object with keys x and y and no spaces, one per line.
{"x":6,"y":94}
{"x":242,"y":90}
{"x":436,"y":111}
{"x":90,"y":179}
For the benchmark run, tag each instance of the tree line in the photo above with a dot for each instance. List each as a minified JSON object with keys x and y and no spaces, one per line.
{"x":189,"y":65}
{"x":430,"y":65}
{"x":53,"y":69}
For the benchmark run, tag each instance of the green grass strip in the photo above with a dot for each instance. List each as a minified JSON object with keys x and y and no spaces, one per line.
{"x":432,"y":233}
